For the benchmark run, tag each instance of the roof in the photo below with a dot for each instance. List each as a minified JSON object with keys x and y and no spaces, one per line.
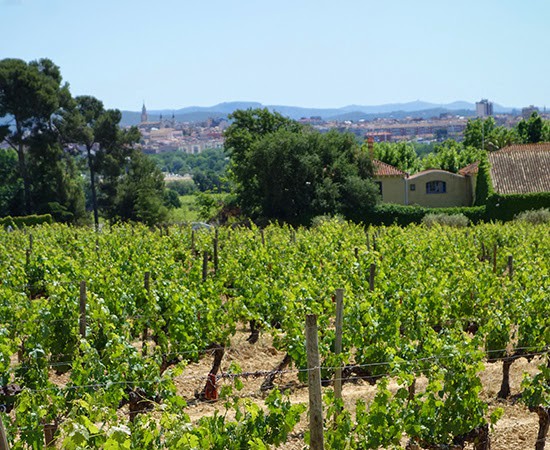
{"x":470,"y":169}
{"x":429,"y":171}
{"x":381,"y":169}
{"x":521,"y":169}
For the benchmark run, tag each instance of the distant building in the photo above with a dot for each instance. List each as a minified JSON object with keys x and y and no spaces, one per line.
{"x":143,"y":114}
{"x":484,"y":108}
{"x":527,"y":111}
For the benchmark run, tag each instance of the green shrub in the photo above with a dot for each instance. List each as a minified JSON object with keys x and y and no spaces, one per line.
{"x":535,"y":217}
{"x":506,"y":207}
{"x":25,"y":221}
{"x":450,"y":220}
{"x":390,"y":214}
{"x":182,"y":187}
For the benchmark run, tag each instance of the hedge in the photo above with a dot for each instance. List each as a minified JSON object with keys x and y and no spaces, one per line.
{"x":506,"y":207}
{"x":25,"y":221}
{"x":389,"y":214}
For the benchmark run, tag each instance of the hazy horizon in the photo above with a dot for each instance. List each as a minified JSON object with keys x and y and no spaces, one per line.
{"x":311,"y":54}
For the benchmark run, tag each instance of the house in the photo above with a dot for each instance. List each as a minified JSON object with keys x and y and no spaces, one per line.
{"x":432,"y":188}
{"x":517,"y":169}
{"x":521,"y":169}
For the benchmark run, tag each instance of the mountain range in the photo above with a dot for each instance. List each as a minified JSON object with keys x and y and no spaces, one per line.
{"x":417,"y":108}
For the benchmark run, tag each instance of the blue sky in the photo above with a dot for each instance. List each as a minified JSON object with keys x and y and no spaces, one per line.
{"x":311,"y":53}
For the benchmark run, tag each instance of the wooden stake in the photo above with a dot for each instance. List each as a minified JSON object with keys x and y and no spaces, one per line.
{"x":511,"y":267}
{"x":193,"y":241}
{"x":338,"y":341}
{"x":83,"y":299}
{"x":31,"y":241}
{"x":3,"y":437}
{"x":49,"y":433}
{"x":263,"y":237}
{"x":204,"y":266}
{"x":371,"y":276}
{"x":314,"y":383}
{"x":495,"y":258}
{"x":145,"y":335}
{"x":216,"y":252}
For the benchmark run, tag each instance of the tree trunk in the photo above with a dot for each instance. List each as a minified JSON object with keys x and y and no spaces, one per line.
{"x":254,"y":332}
{"x":483,"y":440}
{"x":505,"y":386}
{"x":268,"y":382}
{"x":544,"y":421}
{"x":210,"y":391}
{"x":23,"y":168}
{"x":92,"y":186}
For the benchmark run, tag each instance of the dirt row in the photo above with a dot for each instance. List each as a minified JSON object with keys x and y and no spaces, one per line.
{"x":516,"y":430}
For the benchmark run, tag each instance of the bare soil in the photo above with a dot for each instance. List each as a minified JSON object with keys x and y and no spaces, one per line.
{"x":516,"y":430}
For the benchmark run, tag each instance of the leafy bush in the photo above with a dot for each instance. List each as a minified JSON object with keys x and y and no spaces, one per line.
{"x":171,"y":199}
{"x":450,"y":220}
{"x":182,"y":187}
{"x":535,"y":217}
{"x":25,"y":221}
{"x":506,"y":207}
{"x":389,"y":214}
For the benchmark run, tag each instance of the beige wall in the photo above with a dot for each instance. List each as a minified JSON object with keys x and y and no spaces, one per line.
{"x":393,"y":189}
{"x":458,"y":189}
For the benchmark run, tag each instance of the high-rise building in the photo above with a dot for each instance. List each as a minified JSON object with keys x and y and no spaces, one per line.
{"x":484,"y":108}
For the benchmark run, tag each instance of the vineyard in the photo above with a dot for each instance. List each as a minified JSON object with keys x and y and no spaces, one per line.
{"x":117,"y":339}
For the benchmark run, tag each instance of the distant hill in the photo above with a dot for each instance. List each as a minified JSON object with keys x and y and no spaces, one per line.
{"x":351,"y":112}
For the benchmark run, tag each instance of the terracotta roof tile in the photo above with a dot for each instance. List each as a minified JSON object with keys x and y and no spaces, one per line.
{"x":381,"y":169}
{"x":521,"y":169}
{"x":470,"y":169}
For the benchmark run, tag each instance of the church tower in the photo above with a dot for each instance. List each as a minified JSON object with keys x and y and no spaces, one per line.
{"x":143,"y":114}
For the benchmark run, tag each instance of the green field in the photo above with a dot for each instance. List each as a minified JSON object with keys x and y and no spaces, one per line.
{"x":440,"y":303}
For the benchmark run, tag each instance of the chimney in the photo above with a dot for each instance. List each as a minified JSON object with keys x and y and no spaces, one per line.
{"x":370,"y":146}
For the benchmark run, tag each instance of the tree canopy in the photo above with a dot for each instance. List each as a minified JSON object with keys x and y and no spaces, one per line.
{"x":284,"y":171}
{"x":46,"y":129}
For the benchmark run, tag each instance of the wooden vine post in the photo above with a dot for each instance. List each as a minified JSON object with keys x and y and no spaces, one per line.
{"x":204,"y":266}
{"x":216,"y":252}
{"x":511,"y":267}
{"x":145,"y":335}
{"x":3,"y":437}
{"x":314,"y":383}
{"x":371,"y":276}
{"x":49,"y":434}
{"x":338,"y":342}
{"x":83,"y":299}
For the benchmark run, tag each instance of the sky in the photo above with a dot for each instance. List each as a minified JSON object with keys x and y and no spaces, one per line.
{"x":310,"y":53}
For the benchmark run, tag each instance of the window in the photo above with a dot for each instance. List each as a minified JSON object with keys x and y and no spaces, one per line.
{"x":379,"y":184}
{"x":436,"y":187}
{"x":412,"y":187}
